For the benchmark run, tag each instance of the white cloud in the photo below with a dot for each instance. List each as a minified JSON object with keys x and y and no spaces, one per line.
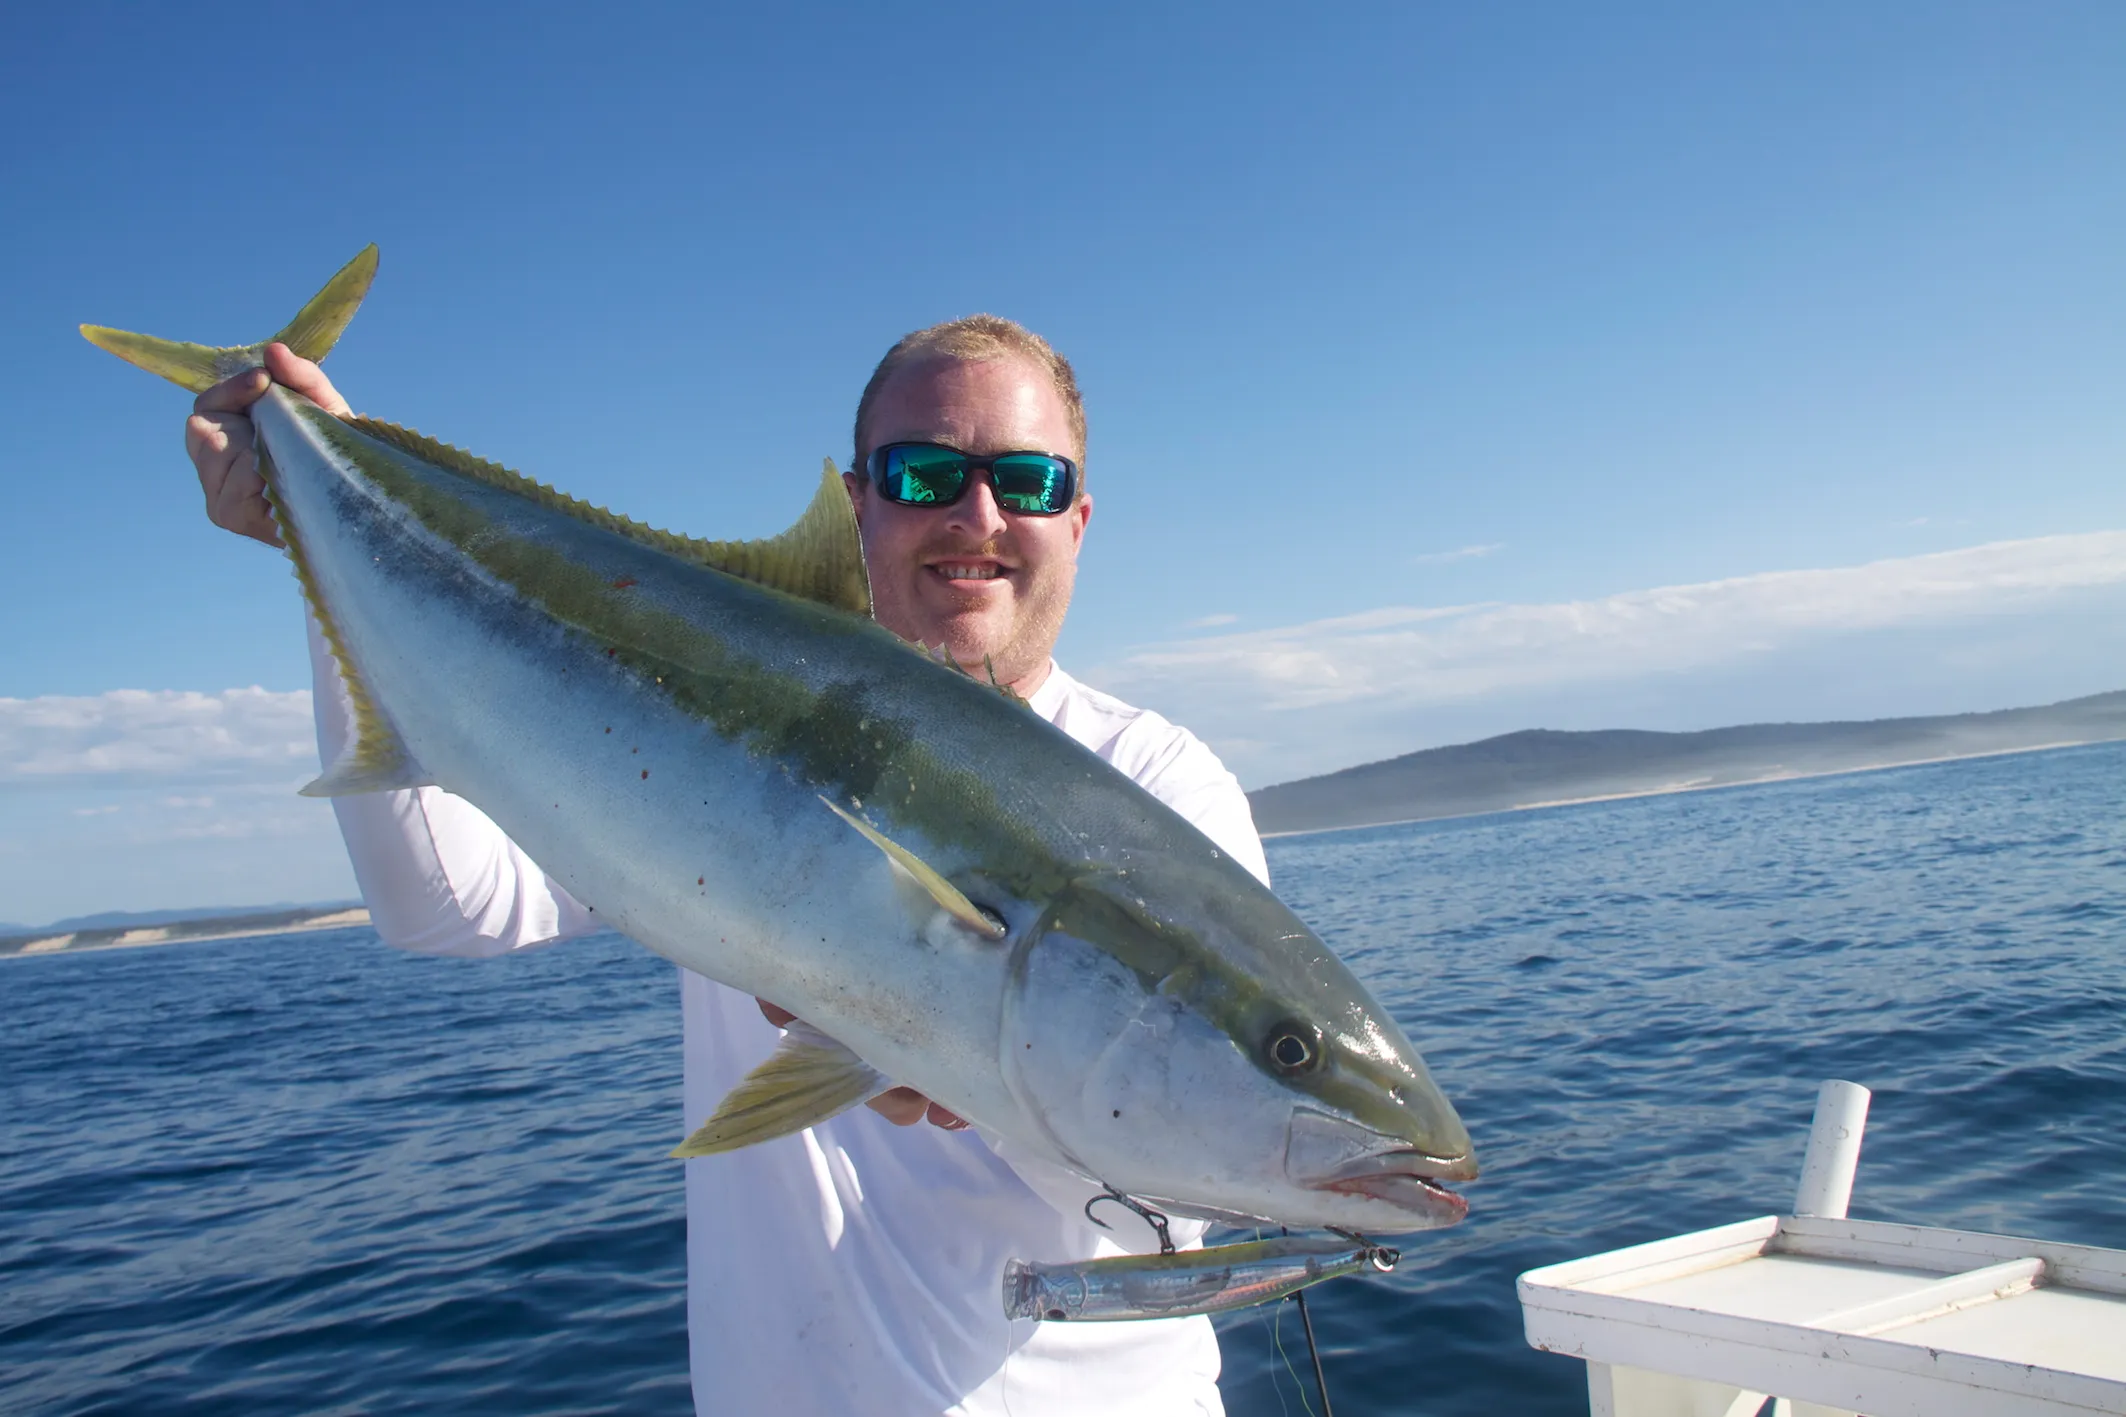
{"x":1418,"y":655}
{"x":1464,"y":553}
{"x":1995,"y":626}
{"x":137,"y":735}
{"x":135,"y":800}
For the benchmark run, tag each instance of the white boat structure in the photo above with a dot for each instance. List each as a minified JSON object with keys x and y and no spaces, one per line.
{"x":1822,"y":1316}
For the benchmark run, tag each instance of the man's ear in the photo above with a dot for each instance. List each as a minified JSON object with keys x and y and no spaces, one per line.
{"x":858,"y":487}
{"x":1080,"y":514}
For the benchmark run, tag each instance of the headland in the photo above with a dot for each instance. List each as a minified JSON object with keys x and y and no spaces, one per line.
{"x":181,"y":930}
{"x":1547,"y":768}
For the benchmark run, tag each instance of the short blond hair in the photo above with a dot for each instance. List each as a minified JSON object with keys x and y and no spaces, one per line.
{"x":974,"y":339}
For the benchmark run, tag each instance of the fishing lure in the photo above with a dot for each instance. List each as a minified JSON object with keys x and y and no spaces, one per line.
{"x":1166,"y":1286}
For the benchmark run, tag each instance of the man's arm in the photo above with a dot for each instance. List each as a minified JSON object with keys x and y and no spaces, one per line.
{"x":438,"y":875}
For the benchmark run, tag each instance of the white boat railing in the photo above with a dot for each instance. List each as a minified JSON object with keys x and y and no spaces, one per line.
{"x":1823,"y":1316}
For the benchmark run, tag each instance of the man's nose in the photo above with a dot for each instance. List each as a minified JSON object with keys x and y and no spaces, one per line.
{"x":976,"y":513}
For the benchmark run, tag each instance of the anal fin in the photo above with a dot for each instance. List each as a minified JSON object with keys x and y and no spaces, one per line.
{"x":350,"y":775}
{"x":375,"y":758}
{"x":806,"y":1080}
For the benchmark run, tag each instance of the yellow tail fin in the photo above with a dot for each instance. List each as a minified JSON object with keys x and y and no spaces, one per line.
{"x":198,"y":367}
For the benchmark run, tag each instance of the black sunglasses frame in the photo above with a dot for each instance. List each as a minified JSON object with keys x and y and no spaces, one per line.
{"x":875,"y":470}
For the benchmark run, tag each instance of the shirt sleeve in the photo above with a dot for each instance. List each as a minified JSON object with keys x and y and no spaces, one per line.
{"x":438,"y":876}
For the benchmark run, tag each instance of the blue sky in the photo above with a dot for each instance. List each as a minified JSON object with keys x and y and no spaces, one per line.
{"x":1489,"y":322}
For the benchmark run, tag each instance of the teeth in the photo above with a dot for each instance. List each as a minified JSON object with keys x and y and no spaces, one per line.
{"x":968,"y":573}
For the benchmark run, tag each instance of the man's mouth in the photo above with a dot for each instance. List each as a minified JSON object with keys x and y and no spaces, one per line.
{"x":967,"y":570}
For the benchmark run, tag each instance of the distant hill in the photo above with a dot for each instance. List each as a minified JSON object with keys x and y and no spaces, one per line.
{"x":128,"y":930}
{"x":1539,"y":767}
{"x":134,"y":919}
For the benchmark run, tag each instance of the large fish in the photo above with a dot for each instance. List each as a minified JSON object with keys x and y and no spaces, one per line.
{"x":716,"y":747}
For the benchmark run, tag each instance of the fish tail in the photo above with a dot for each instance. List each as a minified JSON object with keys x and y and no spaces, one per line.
{"x":198,"y":367}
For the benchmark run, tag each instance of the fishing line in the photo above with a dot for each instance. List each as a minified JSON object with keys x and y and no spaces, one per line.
{"x":1275,"y":1319}
{"x":1306,"y":1320}
{"x":1276,"y":1323}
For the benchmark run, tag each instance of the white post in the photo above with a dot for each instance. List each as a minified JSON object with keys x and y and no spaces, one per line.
{"x":1834,"y":1151}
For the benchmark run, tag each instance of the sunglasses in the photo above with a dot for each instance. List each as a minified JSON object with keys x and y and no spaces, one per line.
{"x":927,"y":475}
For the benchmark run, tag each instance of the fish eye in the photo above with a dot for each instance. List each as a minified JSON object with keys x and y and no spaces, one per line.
{"x":1293,"y":1047}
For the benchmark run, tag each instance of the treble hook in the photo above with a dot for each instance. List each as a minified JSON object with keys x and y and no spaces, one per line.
{"x":1143,"y":1212}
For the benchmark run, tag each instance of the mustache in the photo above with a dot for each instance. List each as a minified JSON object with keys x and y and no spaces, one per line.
{"x":948,"y":546}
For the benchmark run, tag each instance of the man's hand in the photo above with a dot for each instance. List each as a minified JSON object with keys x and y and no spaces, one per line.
{"x":218,"y":439}
{"x":903,"y":1106}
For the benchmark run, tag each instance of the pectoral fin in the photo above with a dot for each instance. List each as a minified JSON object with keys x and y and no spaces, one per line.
{"x":915,"y":869}
{"x":806,"y":1080}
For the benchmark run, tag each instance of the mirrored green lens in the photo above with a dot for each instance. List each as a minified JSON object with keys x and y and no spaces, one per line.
{"x":925,"y":476}
{"x":1030,"y":483}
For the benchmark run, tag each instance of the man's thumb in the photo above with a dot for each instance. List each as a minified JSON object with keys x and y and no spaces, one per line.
{"x":291,"y":370}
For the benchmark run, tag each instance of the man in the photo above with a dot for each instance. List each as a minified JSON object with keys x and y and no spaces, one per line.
{"x":854,"y":1268}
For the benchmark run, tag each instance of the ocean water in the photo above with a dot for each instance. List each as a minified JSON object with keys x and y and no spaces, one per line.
{"x":312,"y":1174}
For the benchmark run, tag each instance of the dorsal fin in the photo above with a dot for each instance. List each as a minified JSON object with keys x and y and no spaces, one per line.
{"x":819,"y":558}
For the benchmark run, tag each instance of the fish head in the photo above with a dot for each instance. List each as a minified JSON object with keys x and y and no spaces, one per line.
{"x":1191,"y":1043}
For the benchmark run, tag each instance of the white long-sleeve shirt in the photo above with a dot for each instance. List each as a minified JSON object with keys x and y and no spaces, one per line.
{"x":854,"y":1269}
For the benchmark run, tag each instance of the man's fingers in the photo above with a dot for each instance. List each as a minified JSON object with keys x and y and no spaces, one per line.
{"x":216,"y":438}
{"x":903,"y":1106}
{"x":239,"y":504}
{"x":233,"y":394}
{"x":292,"y":371}
{"x":220,"y":448}
{"x":284,"y":367}
{"x":219,"y":445}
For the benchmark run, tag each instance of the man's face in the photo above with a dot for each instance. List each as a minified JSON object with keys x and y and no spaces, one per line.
{"x":976,"y":579}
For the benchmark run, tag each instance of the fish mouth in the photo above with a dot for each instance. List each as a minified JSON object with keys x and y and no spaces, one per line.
{"x":1407,"y":1180}
{"x":1341,"y":1156}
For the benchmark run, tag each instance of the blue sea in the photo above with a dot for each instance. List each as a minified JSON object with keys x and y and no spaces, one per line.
{"x":312,"y":1174}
